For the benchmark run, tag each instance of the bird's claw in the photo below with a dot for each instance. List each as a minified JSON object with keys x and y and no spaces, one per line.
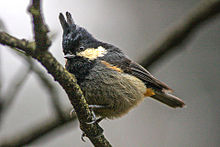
{"x":95,"y":121}
{"x":71,"y":112}
{"x":94,"y":118}
{"x":82,"y":136}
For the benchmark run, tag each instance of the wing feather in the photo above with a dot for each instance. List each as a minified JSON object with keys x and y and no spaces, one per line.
{"x":117,"y":58}
{"x":141,"y":73}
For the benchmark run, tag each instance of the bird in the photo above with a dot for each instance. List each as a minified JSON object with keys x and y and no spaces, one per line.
{"x":111,"y":82}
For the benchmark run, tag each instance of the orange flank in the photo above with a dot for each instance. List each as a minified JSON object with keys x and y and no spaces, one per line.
{"x":111,"y":66}
{"x":149,"y":92}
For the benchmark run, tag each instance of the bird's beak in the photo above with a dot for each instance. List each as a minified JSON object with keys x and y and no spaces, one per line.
{"x":69,"y":56}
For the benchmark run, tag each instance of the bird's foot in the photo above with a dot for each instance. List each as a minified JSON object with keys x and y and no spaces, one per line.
{"x":94,"y":118}
{"x":71,"y":112}
{"x":94,"y":136}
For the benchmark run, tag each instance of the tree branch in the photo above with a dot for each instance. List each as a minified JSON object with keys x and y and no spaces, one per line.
{"x":40,"y":28}
{"x":51,"y":90}
{"x":2,"y":28}
{"x":37,"y":131}
{"x":46,"y":82}
{"x":13,"y":89}
{"x":179,"y":33}
{"x":67,"y":81}
{"x":204,"y":12}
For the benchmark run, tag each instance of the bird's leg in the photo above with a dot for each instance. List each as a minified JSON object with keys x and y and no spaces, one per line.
{"x":95,"y":120}
{"x":92,"y":107}
{"x":100,"y":132}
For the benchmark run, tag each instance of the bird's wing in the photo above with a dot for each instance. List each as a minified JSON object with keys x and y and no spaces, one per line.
{"x":118,"y":59}
{"x":141,"y":73}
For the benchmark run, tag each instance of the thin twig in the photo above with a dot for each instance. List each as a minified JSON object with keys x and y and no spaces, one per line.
{"x":2,"y":28}
{"x":1,"y":99}
{"x":16,"y":85}
{"x":36,"y":131}
{"x":14,"y":88}
{"x":54,"y":96}
{"x":40,"y":28}
{"x":181,"y":32}
{"x":48,"y":85}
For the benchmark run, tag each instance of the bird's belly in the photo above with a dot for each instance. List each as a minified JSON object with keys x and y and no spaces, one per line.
{"x":118,"y":92}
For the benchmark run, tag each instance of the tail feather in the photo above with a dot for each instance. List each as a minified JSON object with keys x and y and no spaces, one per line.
{"x":168,"y":99}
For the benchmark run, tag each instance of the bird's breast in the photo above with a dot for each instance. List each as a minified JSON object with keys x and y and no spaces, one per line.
{"x":80,"y":67}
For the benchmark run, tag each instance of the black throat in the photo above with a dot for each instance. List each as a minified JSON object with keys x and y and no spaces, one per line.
{"x":80,"y":67}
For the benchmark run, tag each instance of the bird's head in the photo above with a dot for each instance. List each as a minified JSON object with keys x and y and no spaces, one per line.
{"x":74,"y":36}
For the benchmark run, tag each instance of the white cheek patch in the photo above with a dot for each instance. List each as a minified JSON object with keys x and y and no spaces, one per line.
{"x":93,"y":53}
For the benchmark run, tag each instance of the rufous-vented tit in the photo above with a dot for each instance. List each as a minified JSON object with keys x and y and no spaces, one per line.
{"x":112,"y":83}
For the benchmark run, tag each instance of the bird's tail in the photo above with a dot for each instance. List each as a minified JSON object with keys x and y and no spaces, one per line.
{"x":168,"y":99}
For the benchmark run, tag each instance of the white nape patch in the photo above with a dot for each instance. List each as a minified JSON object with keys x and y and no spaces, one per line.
{"x":93,"y":53}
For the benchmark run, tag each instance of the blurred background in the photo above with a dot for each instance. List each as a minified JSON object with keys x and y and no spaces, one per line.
{"x":194,"y":73}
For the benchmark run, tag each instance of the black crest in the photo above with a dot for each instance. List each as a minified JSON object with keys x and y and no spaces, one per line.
{"x":67,"y":24}
{"x":71,"y":35}
{"x":74,"y":37}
